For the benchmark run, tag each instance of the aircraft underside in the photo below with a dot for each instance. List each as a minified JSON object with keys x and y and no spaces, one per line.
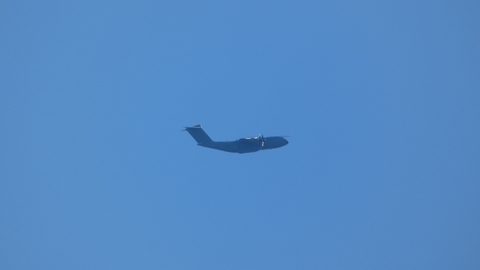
{"x":233,"y":147}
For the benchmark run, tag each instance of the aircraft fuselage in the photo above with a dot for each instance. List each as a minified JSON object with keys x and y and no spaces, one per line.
{"x":247,"y":145}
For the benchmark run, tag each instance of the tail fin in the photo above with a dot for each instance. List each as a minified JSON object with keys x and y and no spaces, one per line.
{"x":198,"y":134}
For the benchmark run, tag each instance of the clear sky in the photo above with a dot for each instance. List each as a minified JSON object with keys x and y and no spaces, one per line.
{"x":381,"y":100}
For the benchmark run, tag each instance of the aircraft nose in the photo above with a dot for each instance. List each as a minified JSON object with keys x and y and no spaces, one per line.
{"x":286,"y":142}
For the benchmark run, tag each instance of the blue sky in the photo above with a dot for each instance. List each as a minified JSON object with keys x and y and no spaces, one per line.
{"x":381,"y":101}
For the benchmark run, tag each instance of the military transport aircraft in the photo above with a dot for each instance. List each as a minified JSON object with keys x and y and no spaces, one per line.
{"x":244,"y":145}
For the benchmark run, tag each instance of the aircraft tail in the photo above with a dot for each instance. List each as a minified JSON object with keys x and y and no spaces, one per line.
{"x":198,"y":134}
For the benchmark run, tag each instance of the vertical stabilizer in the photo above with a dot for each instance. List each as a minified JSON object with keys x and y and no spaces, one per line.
{"x":198,"y":134}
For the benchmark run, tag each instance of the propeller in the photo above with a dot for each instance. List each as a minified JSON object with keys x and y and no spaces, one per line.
{"x":261,"y":139}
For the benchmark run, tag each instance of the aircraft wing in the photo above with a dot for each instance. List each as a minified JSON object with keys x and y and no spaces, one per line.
{"x":248,"y":141}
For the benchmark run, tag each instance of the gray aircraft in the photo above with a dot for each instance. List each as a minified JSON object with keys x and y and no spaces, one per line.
{"x":244,"y":145}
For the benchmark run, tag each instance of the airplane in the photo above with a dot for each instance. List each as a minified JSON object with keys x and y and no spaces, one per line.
{"x":244,"y":145}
